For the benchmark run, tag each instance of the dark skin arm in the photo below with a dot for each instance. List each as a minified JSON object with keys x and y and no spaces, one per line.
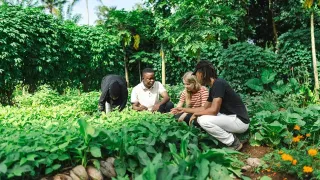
{"x":165,"y":98}
{"x":212,"y":110}
{"x":138,"y":107}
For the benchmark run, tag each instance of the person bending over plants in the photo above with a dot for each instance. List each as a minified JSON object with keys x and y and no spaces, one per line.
{"x":193,"y":96}
{"x":146,"y":95}
{"x":114,"y":93}
{"x":224,"y":113}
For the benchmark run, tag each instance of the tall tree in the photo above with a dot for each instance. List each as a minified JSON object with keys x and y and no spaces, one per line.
{"x":310,"y":5}
{"x":162,"y":11}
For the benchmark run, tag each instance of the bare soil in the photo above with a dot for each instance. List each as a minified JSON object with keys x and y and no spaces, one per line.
{"x":259,"y":152}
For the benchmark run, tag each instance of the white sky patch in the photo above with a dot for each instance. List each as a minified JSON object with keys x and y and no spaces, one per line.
{"x":80,"y":8}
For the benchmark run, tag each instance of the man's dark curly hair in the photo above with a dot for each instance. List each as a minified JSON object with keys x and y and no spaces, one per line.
{"x":208,"y":71}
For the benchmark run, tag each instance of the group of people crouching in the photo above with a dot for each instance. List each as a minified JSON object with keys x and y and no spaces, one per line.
{"x":219,"y":111}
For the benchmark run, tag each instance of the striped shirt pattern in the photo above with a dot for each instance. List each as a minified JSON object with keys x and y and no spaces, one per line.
{"x":197,"y":100}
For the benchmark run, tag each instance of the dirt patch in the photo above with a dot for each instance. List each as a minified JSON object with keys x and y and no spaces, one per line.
{"x":272,"y":175}
{"x":256,"y":174}
{"x":255,"y":151}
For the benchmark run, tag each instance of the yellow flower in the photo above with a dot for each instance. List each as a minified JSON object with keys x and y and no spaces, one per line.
{"x":307,"y":169}
{"x":286,"y":157}
{"x":312,"y":152}
{"x":280,"y":152}
{"x":296,"y":139}
{"x":294,"y":162}
{"x":308,"y":135}
{"x":296,"y":127}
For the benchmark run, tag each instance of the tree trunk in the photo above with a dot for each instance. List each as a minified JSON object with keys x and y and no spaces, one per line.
{"x":87,"y":10}
{"x":163,"y":65}
{"x":274,"y":28}
{"x":198,"y":55}
{"x":139,"y":66}
{"x":314,"y":59}
{"x":126,"y":70}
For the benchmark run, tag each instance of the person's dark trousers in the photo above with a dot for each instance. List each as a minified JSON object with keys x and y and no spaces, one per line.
{"x":164,"y":108}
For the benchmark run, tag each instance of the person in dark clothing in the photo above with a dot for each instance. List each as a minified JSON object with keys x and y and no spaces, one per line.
{"x":114,"y":93}
{"x":224,"y":113}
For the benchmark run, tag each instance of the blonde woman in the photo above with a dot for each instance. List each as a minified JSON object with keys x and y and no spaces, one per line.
{"x":193,"y":96}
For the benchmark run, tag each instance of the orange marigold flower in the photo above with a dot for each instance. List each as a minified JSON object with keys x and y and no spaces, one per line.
{"x":300,"y":137}
{"x":307,"y":169}
{"x":294,"y":162}
{"x":296,"y":127}
{"x":287,"y":157}
{"x":296,"y":139}
{"x":280,"y":152}
{"x":312,"y":152}
{"x":308,"y":135}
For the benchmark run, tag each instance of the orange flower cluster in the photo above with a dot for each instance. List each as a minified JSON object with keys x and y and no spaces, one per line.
{"x":287,"y":157}
{"x":297,"y":138}
{"x":308,"y":135}
{"x":294,"y":162}
{"x":312,"y":152}
{"x":296,"y":127}
{"x":307,"y":169}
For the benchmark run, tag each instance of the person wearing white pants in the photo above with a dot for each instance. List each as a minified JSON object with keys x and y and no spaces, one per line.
{"x":224,"y":113}
{"x":222,"y":126}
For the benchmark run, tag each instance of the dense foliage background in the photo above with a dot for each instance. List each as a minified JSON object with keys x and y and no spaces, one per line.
{"x":39,"y":48}
{"x":51,"y":68}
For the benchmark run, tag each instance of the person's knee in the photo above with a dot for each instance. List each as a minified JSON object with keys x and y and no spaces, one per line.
{"x":201,"y":121}
{"x":169,"y":105}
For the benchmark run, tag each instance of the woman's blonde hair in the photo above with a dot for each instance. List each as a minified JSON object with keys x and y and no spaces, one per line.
{"x":194,"y":85}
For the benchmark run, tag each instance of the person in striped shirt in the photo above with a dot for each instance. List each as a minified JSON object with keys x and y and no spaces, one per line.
{"x":193,"y":96}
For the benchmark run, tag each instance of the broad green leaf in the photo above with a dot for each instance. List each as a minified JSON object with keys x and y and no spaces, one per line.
{"x":96,"y":164}
{"x":267,"y":76}
{"x":64,"y":145}
{"x":219,"y":172}
{"x":56,"y":166}
{"x":23,"y":160}
{"x":255,"y":84}
{"x":3,"y":168}
{"x":150,"y":149}
{"x":120,"y":167}
{"x":64,"y":157}
{"x":30,"y":157}
{"x":95,"y":151}
{"x":53,"y":156}
{"x":48,"y":170}
{"x":143,"y":157}
{"x":203,"y":169}
{"x":132,"y":164}
{"x":183,"y":149}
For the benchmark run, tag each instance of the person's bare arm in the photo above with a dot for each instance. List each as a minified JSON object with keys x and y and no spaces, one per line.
{"x":213,"y":109}
{"x":165,"y":98}
{"x":198,"y":109}
{"x":138,"y":107}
